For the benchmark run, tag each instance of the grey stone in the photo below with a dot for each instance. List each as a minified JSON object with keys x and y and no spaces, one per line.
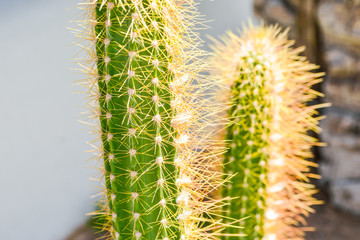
{"x":341,"y":156}
{"x":293,"y":3}
{"x":339,"y":163}
{"x":343,"y":92}
{"x":339,"y":122}
{"x":346,"y":195}
{"x":274,"y":11}
{"x":339,"y":21}
{"x":340,"y":63}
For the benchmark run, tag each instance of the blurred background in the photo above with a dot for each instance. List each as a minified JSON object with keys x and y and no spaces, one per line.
{"x":330,"y":30}
{"x":44,"y":178}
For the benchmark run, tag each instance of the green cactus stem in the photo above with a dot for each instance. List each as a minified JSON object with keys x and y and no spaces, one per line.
{"x":159,"y":162}
{"x":135,"y":119}
{"x":270,"y":85}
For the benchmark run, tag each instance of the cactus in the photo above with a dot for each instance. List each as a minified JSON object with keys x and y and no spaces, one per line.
{"x":269,"y":88}
{"x":158,"y":157}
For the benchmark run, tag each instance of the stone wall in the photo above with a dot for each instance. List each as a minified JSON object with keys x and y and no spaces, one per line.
{"x":331,"y":31}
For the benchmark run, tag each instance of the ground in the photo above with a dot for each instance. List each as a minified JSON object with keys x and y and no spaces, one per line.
{"x":333,"y":224}
{"x":330,"y":224}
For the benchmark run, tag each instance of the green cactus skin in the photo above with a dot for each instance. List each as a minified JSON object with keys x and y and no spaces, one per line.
{"x":246,"y":157}
{"x":135,"y":120}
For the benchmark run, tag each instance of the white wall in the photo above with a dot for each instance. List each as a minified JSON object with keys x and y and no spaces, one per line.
{"x":44,"y":186}
{"x":223,"y":15}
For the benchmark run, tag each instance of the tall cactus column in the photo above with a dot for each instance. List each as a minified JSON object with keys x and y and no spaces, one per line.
{"x":135,"y":119}
{"x":270,"y":86}
{"x":159,"y":161}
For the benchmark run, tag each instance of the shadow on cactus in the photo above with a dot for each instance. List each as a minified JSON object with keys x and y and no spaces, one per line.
{"x":269,"y":86}
{"x":158,"y":157}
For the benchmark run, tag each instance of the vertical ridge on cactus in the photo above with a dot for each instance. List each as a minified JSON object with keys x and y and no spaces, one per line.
{"x":159,"y":159}
{"x":269,"y":88}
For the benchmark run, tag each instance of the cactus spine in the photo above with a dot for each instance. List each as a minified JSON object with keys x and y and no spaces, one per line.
{"x":270,"y":85}
{"x":159,"y":163}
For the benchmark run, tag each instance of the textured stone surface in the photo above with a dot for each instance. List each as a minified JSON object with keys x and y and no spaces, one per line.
{"x":339,"y":162}
{"x":340,"y":168}
{"x":343,"y":92}
{"x":292,"y":3}
{"x":346,"y":195}
{"x":341,"y":123}
{"x":274,"y":11}
{"x":341,"y":156}
{"x":341,"y":63}
{"x":340,"y":27}
{"x":340,"y":22}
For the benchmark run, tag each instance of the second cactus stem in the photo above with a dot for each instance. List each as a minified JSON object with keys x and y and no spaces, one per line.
{"x":270,"y":86}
